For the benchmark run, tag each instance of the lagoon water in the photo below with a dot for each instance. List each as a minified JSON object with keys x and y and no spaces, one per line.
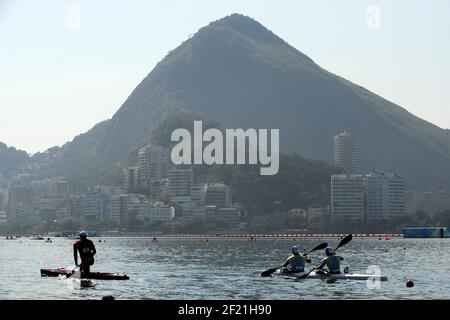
{"x":223,"y":269}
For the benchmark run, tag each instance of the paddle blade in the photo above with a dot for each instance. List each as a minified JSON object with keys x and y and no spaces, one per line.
{"x":319,"y":247}
{"x":344,"y":241}
{"x":75,"y":273}
{"x":267,"y":273}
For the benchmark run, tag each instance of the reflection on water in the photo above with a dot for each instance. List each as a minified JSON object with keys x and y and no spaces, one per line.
{"x":222,"y":269}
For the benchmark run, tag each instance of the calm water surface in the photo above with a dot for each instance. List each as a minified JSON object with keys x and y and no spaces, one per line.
{"x":222,"y":269}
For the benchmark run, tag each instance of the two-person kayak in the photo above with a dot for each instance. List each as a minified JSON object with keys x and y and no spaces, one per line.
{"x":326,"y":276}
{"x":84,"y":275}
{"x":294,"y":266}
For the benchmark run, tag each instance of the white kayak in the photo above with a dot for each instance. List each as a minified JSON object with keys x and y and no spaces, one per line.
{"x":340,"y":276}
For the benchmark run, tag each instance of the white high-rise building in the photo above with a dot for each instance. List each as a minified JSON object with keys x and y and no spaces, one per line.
{"x":153,"y":162}
{"x":95,"y":206}
{"x":161,"y":212}
{"x":346,"y":153}
{"x":119,"y":207}
{"x":180,"y":182}
{"x":385,"y":196}
{"x":347,"y":197}
{"x":124,"y":204}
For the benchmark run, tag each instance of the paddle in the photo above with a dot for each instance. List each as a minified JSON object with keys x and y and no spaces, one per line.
{"x":73,"y":272}
{"x":343,"y":242}
{"x":268,"y":272}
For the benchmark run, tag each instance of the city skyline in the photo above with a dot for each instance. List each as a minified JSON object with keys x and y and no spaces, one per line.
{"x":75,"y":76}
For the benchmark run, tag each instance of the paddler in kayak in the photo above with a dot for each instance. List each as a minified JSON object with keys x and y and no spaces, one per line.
{"x":332,"y":262}
{"x":87,"y":251}
{"x":296,"y":262}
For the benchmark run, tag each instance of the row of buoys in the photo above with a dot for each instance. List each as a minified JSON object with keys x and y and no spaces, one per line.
{"x":387,"y":236}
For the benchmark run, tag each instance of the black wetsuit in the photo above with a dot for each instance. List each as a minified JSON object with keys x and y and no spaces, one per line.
{"x":87,"y":251}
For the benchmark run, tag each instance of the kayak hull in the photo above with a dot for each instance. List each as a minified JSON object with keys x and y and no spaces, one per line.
{"x":84,"y":275}
{"x":341,"y":276}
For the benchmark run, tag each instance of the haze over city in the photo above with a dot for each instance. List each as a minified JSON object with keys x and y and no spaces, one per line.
{"x":71,"y":64}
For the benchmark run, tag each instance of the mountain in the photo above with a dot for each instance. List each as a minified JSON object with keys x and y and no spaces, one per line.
{"x":11,"y":160}
{"x":240,"y":74}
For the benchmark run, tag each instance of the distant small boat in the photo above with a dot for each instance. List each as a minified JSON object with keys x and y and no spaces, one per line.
{"x":37,"y":238}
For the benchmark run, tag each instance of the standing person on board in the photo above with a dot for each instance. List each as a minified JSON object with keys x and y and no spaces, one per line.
{"x":296,"y":262}
{"x":87,"y":251}
{"x":332,"y":262}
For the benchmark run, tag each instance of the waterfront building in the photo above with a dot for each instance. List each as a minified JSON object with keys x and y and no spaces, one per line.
{"x":193,"y":211}
{"x":385,"y":196}
{"x":158,"y":212}
{"x":153,"y":162}
{"x":75,"y":207}
{"x":119,"y":205}
{"x":348,"y":197}
{"x":180,"y":182}
{"x":130,"y":177}
{"x":218,"y":194}
{"x":198,"y":194}
{"x":95,"y":206}
{"x":144,"y":210}
{"x":346,"y":152}
{"x":51,"y":207}
{"x":228,"y":216}
{"x":22,"y":195}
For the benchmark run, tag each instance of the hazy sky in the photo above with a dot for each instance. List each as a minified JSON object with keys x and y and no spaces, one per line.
{"x":66,"y":65}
